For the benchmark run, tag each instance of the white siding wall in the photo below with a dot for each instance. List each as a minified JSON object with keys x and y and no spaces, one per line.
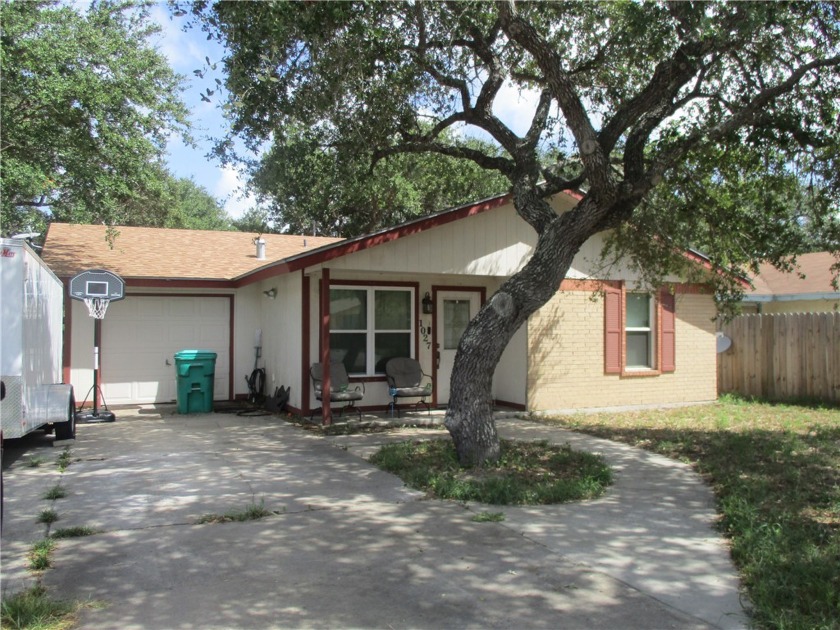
{"x":246,"y":320}
{"x":81,"y":349}
{"x":280,"y":321}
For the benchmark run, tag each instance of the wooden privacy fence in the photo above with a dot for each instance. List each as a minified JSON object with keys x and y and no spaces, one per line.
{"x":782,"y":356}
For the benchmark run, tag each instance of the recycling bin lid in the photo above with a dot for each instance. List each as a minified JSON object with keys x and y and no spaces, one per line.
{"x":191,"y":355}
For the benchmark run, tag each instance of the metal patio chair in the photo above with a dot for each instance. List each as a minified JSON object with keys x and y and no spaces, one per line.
{"x":340,"y":388}
{"x":405,"y":380}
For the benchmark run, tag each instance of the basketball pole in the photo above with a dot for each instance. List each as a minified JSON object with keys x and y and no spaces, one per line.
{"x":96,"y":415}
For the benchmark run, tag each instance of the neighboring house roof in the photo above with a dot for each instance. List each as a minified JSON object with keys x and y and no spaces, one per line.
{"x":157,"y":253}
{"x":770,"y":283}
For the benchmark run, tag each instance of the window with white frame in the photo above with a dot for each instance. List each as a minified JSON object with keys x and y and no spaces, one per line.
{"x":369,"y":325}
{"x":638,"y":331}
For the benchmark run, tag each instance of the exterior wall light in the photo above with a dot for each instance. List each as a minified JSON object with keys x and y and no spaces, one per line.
{"x":428,"y":304}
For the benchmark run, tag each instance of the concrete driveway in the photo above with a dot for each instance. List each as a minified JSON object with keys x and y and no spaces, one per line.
{"x":348,"y":545}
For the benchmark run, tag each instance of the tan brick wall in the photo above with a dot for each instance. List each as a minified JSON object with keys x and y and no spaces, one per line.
{"x":566,"y":357}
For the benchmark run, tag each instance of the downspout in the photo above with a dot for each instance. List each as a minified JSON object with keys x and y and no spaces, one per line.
{"x":324,"y":331}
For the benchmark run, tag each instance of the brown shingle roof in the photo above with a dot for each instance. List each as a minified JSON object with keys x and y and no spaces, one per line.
{"x":140,"y":252}
{"x":815,"y":267}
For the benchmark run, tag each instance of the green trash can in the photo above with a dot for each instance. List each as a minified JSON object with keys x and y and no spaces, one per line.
{"x":196,"y":370}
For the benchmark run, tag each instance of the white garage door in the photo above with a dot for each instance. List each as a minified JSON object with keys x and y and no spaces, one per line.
{"x":140,"y":336}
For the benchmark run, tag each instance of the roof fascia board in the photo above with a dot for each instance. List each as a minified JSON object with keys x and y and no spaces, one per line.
{"x":171,"y":283}
{"x":704,"y":261}
{"x":350,"y":246}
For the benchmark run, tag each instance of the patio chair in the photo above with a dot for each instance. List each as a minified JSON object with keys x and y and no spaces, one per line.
{"x":405,"y":380}
{"x":340,"y":388}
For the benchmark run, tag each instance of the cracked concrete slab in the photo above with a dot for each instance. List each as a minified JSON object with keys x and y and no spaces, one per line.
{"x":348,"y":545}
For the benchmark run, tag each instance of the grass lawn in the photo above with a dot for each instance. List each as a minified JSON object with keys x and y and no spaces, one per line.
{"x":775,"y":470}
{"x":528,"y":473}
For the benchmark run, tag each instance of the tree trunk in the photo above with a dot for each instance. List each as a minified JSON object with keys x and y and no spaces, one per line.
{"x":469,"y":417}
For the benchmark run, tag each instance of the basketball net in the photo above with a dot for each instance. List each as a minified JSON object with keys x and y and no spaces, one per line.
{"x":97,"y":306}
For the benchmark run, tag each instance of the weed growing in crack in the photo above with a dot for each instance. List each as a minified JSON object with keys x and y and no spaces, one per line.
{"x":39,"y":554}
{"x":251,"y":512}
{"x":56,"y":492}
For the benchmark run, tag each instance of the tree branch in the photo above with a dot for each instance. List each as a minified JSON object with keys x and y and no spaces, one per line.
{"x":503,"y":165}
{"x":562,"y":88}
{"x":668,"y":79}
{"x":539,"y":121}
{"x":747,"y":114}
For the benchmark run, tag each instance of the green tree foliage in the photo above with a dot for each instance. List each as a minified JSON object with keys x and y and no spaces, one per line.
{"x":651,"y":108}
{"x":87,"y":105}
{"x":256,"y":219}
{"x":343,"y":193}
{"x":193,"y":208}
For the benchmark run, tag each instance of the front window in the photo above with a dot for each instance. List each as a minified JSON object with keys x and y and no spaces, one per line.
{"x":369,"y":326}
{"x":638,"y":331}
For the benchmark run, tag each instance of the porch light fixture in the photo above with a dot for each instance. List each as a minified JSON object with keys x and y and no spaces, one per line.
{"x":271,"y":293}
{"x":428,"y":305}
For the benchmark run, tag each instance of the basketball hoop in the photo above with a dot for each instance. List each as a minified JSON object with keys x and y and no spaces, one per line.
{"x":97,"y":288}
{"x":97,"y":306}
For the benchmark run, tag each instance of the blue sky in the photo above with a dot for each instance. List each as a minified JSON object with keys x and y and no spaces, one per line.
{"x":187,"y":51}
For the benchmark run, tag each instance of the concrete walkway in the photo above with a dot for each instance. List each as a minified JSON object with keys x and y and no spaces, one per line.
{"x":348,"y":545}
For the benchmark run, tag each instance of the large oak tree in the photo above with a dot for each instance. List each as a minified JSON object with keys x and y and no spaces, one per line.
{"x":683,"y":123}
{"x":86,"y":107}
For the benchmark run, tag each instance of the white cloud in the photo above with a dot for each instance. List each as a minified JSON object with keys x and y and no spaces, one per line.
{"x":230,"y":190}
{"x":183,"y":50}
{"x":516,"y":107}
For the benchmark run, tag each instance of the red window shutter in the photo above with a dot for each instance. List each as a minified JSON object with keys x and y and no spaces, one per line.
{"x":668,"y":331}
{"x":612,"y":330}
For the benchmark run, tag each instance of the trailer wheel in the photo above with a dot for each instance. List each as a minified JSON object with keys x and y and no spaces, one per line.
{"x":67,"y":430}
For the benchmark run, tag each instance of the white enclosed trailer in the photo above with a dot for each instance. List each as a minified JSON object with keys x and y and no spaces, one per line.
{"x":31,"y":343}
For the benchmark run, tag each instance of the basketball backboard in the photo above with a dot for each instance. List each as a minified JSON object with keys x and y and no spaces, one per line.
{"x":97,"y":283}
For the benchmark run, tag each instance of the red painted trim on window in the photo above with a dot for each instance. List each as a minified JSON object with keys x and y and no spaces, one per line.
{"x":414,"y":286}
{"x":373,"y":283}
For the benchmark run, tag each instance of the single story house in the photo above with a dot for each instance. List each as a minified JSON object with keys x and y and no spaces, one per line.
{"x":806,"y":289}
{"x":403,"y":291}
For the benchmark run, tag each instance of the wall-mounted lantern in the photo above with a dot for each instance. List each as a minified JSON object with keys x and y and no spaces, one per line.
{"x":428,"y":305}
{"x":271,"y":293}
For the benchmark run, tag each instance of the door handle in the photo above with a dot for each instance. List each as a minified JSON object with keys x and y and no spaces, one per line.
{"x":437,"y":360}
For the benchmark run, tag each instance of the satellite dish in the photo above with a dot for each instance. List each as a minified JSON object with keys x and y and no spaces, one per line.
{"x":723,"y":342}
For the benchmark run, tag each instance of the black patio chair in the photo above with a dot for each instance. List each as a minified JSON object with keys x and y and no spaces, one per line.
{"x":405,"y":380}
{"x":340,"y":388}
